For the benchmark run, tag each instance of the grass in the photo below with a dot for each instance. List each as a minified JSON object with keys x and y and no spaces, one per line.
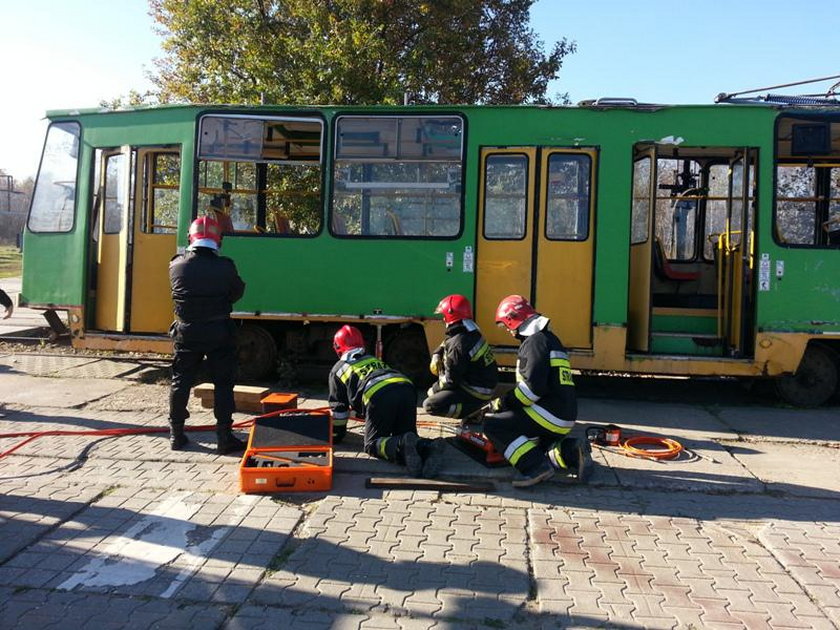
{"x":10,"y":261}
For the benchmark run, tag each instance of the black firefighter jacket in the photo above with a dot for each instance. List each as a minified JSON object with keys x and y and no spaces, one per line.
{"x":204,"y":285}
{"x":544,"y":388}
{"x":355,"y":378}
{"x":468,"y":361}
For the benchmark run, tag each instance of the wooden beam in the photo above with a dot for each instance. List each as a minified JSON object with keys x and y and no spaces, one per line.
{"x":403,"y":483}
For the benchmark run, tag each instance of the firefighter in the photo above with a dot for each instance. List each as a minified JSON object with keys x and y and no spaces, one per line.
{"x":204,"y":287}
{"x":6,"y":303}
{"x":387,"y":401}
{"x":529,"y":423}
{"x":464,"y":364}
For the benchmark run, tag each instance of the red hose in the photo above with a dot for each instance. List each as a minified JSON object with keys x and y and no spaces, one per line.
{"x":34,"y":435}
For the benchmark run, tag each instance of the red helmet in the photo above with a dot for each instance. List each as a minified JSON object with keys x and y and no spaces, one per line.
{"x":513,"y":311}
{"x":454,"y":308}
{"x":347,"y":338}
{"x":205,"y":232}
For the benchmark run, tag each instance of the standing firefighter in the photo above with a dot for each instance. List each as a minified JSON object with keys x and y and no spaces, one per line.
{"x":386,"y":400}
{"x":529,"y":423}
{"x":464,"y":364}
{"x":204,"y":288}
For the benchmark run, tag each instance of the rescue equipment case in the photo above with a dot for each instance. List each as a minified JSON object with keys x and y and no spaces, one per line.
{"x":288,"y":452}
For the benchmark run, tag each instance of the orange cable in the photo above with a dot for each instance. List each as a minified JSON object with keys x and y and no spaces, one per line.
{"x":671,"y":448}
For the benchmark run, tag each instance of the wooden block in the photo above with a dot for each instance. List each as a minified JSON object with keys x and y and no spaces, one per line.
{"x":246,"y":397}
{"x":401,"y":483}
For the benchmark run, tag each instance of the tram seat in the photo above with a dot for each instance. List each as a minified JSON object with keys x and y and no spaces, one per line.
{"x":832,"y":231}
{"x":664,"y":270}
{"x":224,"y":221}
{"x":281,"y":224}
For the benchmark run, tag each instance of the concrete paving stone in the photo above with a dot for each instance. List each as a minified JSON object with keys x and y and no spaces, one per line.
{"x":804,"y":605}
{"x":791,"y":545}
{"x":781,"y":615}
{"x":43,"y":364}
{"x":30,"y":511}
{"x":99,"y":369}
{"x":610,"y":592}
{"x":31,"y":391}
{"x":262,"y":617}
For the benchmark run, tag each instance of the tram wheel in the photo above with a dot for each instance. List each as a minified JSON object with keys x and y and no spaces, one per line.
{"x":256,"y":352}
{"x":815,"y":381}
{"x":407,"y":352}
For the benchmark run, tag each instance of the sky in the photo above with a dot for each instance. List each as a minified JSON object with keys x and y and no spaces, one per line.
{"x":59,"y":54}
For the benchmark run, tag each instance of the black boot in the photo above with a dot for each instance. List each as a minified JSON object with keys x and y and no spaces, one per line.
{"x":227,"y":442}
{"x":433,"y":458}
{"x":413,"y":460}
{"x":177,"y":439}
{"x":578,"y":456}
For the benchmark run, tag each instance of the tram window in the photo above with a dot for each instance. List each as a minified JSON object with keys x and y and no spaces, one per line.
{"x":261,"y":176}
{"x":832,"y":225}
{"x":567,"y":203}
{"x":505,"y":196}
{"x":54,"y":199}
{"x":641,"y":201}
{"x":397,"y":176}
{"x":163,"y":175}
{"x":115,"y":189}
{"x":716,"y":203}
{"x":678,"y":194}
{"x":796,"y":204}
{"x":807,"y":203}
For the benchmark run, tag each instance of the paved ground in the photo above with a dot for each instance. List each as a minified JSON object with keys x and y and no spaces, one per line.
{"x":114,"y":532}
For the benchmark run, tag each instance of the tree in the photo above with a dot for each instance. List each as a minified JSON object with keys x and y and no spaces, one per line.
{"x":352,"y":51}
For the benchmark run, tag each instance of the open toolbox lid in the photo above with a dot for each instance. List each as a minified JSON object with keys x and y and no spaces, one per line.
{"x":299,"y":429}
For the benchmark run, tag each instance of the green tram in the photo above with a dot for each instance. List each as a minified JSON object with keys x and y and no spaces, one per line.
{"x":669,"y":240}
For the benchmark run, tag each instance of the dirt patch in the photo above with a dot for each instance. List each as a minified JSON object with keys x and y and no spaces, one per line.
{"x":153,"y":399}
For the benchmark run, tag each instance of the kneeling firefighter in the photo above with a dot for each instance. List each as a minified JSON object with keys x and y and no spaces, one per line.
{"x":464,"y":364}
{"x":529,"y":424}
{"x":387,"y":401}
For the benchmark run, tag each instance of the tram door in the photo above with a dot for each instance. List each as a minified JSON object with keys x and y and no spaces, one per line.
{"x":713,"y":284}
{"x":536,"y":239}
{"x":134,"y":239}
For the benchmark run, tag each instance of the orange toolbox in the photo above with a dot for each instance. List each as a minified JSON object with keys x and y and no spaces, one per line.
{"x":288,"y":452}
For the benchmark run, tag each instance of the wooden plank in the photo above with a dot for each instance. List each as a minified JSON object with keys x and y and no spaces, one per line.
{"x":402,"y":483}
{"x":246,"y":397}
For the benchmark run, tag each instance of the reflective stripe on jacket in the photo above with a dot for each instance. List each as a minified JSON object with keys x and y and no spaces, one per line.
{"x":468,"y":361}
{"x":356,"y":378}
{"x":544,"y":385}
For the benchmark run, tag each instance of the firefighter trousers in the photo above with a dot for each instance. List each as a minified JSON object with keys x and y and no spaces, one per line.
{"x":452,"y":403}
{"x":520,"y":439}
{"x":391,"y":413}
{"x":216,"y":342}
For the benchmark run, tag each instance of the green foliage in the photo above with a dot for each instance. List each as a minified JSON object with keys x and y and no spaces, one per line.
{"x":133,"y":99}
{"x":352,"y":51}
